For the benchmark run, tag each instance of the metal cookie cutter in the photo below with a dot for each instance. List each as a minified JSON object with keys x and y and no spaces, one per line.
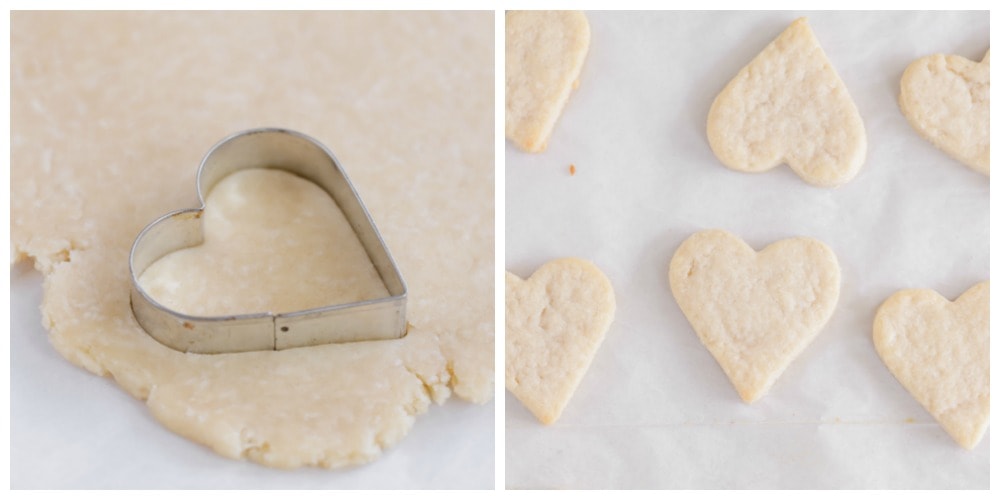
{"x":376,"y":319}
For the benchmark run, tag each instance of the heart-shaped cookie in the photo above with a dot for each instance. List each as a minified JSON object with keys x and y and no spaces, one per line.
{"x":940,"y":351}
{"x":789,"y":106}
{"x":754,"y":311}
{"x":947,"y":101}
{"x":556,"y":320}
{"x":545,"y":53}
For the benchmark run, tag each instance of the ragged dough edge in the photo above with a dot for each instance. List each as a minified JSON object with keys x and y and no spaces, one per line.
{"x":76,"y":340}
{"x":530,"y":129}
{"x":966,"y":434}
{"x":921,"y":114}
{"x":47,"y":254}
{"x":238,"y":438}
{"x":545,"y":401}
{"x":469,"y":386}
{"x":720,"y":128}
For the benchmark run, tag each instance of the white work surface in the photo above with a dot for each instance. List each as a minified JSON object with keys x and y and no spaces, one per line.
{"x":655,"y":410}
{"x":70,"y":429}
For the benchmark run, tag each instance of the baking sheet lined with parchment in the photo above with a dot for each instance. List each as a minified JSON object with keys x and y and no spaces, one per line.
{"x":655,"y":410}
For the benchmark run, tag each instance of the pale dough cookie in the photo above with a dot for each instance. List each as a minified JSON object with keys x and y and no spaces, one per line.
{"x":556,"y":320}
{"x":278,"y":232}
{"x":545,"y":53}
{"x":789,"y":106}
{"x":754,"y":311}
{"x":106,"y":136}
{"x":947,"y":101}
{"x":940,"y":351}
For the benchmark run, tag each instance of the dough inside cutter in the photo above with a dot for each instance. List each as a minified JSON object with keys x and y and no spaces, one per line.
{"x":274,"y":242}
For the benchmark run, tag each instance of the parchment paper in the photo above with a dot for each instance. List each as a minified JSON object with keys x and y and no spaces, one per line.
{"x":655,"y":410}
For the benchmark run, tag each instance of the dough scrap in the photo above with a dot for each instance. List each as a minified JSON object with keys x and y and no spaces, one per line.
{"x":940,"y":351}
{"x":788,"y":105}
{"x":545,"y":54}
{"x":754,"y":311}
{"x":107,"y":135}
{"x":946,"y":99}
{"x":556,"y":321}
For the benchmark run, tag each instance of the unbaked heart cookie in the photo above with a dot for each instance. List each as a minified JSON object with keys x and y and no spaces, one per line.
{"x":940,"y":351}
{"x":789,"y":106}
{"x":947,"y":101}
{"x":545,"y":53}
{"x":556,"y":320}
{"x":754,"y":311}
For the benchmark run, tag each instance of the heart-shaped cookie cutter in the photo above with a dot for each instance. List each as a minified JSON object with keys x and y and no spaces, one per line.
{"x":375,"y":319}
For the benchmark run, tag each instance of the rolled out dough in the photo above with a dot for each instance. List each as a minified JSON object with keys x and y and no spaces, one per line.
{"x":112,"y":111}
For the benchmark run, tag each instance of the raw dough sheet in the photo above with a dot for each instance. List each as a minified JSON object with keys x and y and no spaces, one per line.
{"x":111,"y":113}
{"x":655,"y":410}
